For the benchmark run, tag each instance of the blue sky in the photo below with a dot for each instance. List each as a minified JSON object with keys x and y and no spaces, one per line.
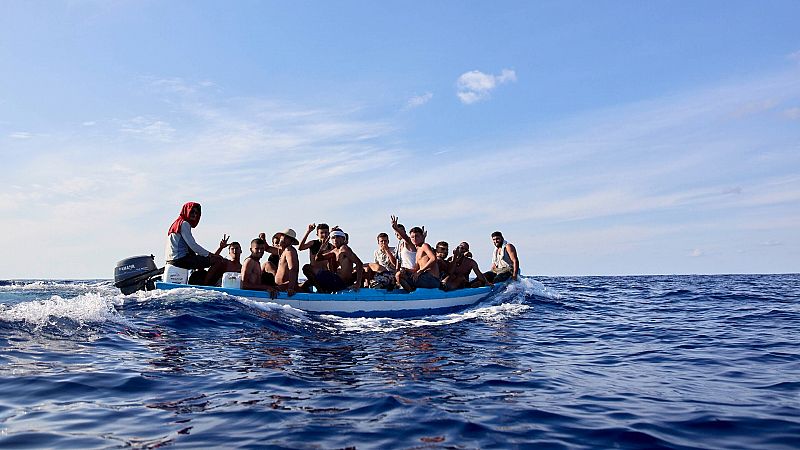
{"x":600,"y":137}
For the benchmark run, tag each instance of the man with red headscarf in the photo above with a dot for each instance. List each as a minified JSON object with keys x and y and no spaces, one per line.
{"x":182,"y":250}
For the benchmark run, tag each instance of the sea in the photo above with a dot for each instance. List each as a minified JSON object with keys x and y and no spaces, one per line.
{"x":628,"y":362}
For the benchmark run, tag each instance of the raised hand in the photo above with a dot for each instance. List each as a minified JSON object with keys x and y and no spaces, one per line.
{"x":312,"y":227}
{"x":224,"y":242}
{"x":262,"y":236}
{"x":394,"y":221}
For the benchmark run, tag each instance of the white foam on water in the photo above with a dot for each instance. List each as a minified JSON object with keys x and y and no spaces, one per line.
{"x":266,"y":305}
{"x":86,"y":308}
{"x":502,"y":306}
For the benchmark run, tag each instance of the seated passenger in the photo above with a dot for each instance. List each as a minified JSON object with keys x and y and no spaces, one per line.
{"x":287,"y":271}
{"x":425,"y":273}
{"x":270,"y":267}
{"x":380,"y":274}
{"x":460,"y":267}
{"x":348,"y":268}
{"x":232,"y":263}
{"x":315,"y":246}
{"x":182,"y":250}
{"x":442,"y":250}
{"x":251,"y":269}
{"x":505,"y":263}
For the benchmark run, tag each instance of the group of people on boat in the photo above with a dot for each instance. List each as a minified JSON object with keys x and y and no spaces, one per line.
{"x":333,"y":266}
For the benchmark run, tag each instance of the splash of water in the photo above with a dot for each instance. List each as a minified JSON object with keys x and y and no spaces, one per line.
{"x":84,"y":309}
{"x":507,"y":303}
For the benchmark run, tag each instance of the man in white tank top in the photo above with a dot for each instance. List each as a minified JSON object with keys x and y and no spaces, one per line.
{"x":505,"y":263}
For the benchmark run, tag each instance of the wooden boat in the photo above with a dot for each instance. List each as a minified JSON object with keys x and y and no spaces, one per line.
{"x":366,"y":302}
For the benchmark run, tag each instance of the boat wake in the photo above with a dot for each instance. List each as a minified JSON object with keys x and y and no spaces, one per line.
{"x":94,"y":305}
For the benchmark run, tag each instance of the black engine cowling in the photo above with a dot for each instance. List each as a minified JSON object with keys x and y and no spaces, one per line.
{"x":136,"y":273}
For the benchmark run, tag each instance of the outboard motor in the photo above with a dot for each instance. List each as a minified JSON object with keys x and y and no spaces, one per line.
{"x":137,"y":273}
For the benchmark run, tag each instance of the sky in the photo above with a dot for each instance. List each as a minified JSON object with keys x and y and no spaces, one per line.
{"x":601,"y":138}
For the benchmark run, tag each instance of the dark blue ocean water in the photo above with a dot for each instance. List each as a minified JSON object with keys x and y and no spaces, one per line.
{"x":566,"y":362}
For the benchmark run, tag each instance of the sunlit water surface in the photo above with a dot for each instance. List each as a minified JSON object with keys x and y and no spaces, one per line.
{"x":578,"y":362}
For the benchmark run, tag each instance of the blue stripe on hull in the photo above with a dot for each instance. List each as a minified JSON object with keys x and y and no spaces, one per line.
{"x":366,"y":302}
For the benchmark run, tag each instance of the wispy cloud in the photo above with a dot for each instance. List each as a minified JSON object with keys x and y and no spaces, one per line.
{"x":418,"y":100}
{"x":475,"y":85}
{"x":20,"y":135}
{"x":696,"y":253}
{"x":655,"y":177}
{"x":792,"y":113}
{"x":148,"y":128}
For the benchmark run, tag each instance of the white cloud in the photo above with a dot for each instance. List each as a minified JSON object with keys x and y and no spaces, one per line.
{"x":695,"y":253}
{"x":792,"y":113}
{"x":20,"y":135}
{"x":475,"y":85}
{"x":418,"y":100}
{"x":148,"y":128}
{"x":755,"y":107}
{"x":89,"y":123}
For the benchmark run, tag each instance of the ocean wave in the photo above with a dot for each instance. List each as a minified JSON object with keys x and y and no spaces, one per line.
{"x":89,"y":308}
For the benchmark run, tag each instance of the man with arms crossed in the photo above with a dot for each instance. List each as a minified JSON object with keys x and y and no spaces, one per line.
{"x":425,"y":273}
{"x":349,"y":270}
{"x":505,"y":263}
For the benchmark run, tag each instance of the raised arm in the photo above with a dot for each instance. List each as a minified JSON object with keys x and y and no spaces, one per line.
{"x":222,"y":244}
{"x":480,"y":276}
{"x":303,"y":244}
{"x":402,"y":233}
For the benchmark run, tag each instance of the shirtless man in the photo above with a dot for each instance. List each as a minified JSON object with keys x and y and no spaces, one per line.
{"x":505,"y":263}
{"x":349,"y":270}
{"x":383,"y":269}
{"x":232,"y":264}
{"x":460,"y":267}
{"x":425,"y":273}
{"x":251,"y":269}
{"x":442,"y":250}
{"x":288,"y":265}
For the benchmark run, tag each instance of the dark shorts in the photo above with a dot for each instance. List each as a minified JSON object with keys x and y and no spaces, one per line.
{"x":268,"y":279}
{"x":191,"y":261}
{"x":426,"y":281}
{"x":328,"y":282}
{"x":497,"y":277}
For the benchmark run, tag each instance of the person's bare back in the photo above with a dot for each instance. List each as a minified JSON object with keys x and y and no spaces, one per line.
{"x":287,"y":265}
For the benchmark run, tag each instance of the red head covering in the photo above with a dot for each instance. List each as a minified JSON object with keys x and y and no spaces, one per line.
{"x":187,"y":208}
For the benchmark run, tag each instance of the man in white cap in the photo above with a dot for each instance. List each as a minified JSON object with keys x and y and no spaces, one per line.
{"x":288,"y":264}
{"x":350,"y":269}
